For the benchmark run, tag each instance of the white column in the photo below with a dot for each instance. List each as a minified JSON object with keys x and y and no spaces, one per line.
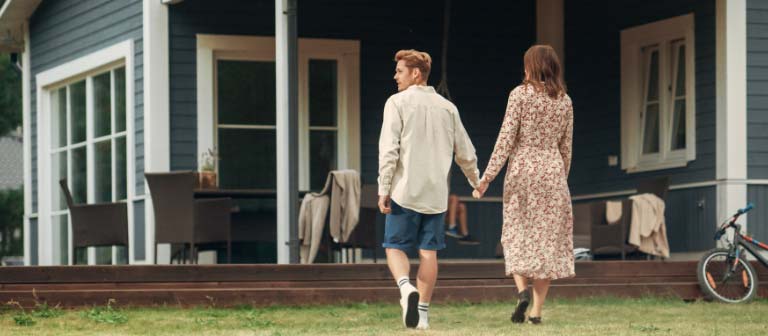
{"x":27,"y":130}
{"x":286,"y":61}
{"x":731,"y":108}
{"x":157,"y":145}
{"x":550,"y":30}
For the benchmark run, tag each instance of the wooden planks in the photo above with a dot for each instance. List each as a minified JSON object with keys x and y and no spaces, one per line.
{"x":229,"y":285}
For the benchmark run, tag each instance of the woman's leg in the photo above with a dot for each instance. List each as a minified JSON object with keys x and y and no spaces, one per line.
{"x":521,"y":282}
{"x":540,"y":289}
{"x":523,"y":299}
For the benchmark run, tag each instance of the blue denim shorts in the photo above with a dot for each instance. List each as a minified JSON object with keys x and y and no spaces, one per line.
{"x":405,"y":228}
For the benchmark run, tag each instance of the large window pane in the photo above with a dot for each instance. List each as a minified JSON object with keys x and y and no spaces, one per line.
{"x":60,"y":231}
{"x":678,"y":125}
{"x":246,"y":92}
{"x":680,"y":87}
{"x":103,"y":171}
{"x":322,"y":157}
{"x":247,"y":158}
{"x":103,"y":255}
{"x":79,"y":182}
{"x":653,"y":77}
{"x":59,"y":169}
{"x":102,"y":105}
{"x":59,"y":118}
{"x":77,"y":108}
{"x":651,"y":134}
{"x":121,"y":177}
{"x":322,"y":93}
{"x":120,"y":100}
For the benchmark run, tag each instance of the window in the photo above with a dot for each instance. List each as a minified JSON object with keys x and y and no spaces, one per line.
{"x":240,"y":72}
{"x":658,"y":112}
{"x":88,"y":148}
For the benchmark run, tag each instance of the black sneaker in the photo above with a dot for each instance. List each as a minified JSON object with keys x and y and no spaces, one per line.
{"x":468,"y":240}
{"x":534,"y":320}
{"x":523,"y":300}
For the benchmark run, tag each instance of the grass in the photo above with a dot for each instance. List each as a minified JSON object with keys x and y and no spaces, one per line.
{"x":595,"y":316}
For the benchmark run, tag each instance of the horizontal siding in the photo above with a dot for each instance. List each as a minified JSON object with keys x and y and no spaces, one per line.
{"x":691,"y":217}
{"x":64,"y":30}
{"x":757,"y":89}
{"x":591,"y":40}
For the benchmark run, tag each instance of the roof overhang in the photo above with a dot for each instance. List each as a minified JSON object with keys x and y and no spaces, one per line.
{"x":13,"y":15}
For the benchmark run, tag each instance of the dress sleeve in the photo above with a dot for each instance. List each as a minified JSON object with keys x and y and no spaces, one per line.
{"x":507,"y":135}
{"x":566,"y":140}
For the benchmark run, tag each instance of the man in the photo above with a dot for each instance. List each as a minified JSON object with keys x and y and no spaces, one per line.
{"x":420,"y":133}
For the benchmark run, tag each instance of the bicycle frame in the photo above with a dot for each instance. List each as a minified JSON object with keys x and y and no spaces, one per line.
{"x":750,"y":244}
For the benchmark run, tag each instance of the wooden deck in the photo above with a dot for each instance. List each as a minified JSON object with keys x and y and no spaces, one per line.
{"x":229,"y":285}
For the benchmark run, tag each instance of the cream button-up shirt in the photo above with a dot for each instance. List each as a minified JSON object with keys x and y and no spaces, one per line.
{"x":420,"y":134}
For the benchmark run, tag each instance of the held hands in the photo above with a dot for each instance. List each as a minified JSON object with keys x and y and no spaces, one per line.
{"x":384,"y":204}
{"x":481,"y":189}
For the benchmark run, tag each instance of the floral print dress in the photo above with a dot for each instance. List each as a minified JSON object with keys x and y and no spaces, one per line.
{"x":536,"y":137}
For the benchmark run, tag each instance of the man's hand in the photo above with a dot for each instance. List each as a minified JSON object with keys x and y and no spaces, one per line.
{"x":480,"y":190}
{"x":384,"y":204}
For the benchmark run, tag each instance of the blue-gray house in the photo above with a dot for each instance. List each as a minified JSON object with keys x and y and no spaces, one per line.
{"x":117,"y":88}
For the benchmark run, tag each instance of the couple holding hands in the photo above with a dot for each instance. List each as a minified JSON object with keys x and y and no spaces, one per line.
{"x":421,"y":134}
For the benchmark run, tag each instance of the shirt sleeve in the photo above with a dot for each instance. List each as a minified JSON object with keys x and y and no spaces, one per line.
{"x":466,"y":158}
{"x":389,"y":146}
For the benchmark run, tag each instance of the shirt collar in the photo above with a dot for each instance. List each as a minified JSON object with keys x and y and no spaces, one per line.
{"x":424,"y":88}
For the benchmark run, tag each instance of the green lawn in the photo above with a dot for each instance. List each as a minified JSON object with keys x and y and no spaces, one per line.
{"x":597,"y":316}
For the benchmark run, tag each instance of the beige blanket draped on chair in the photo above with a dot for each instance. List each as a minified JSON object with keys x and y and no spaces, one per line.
{"x":342,"y":194}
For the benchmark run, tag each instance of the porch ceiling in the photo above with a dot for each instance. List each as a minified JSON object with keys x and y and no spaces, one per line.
{"x":13,"y":15}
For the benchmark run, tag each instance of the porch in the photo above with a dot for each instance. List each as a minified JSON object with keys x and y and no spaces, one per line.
{"x":262,"y":285}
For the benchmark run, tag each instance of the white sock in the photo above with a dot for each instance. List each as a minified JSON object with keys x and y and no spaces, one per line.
{"x":423,"y":312}
{"x":404,"y":284}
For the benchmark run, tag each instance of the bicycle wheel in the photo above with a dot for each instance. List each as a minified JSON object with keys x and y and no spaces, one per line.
{"x":718,"y":283}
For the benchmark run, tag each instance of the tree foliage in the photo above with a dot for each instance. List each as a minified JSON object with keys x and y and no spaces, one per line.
{"x":10,"y":96}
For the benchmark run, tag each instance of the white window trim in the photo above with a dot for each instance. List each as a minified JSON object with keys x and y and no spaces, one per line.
{"x":76,"y":70}
{"x":632,"y":40}
{"x":346,"y":52}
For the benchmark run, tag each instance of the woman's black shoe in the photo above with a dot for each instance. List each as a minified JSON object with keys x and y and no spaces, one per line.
{"x":534,"y":320}
{"x":523,"y":300}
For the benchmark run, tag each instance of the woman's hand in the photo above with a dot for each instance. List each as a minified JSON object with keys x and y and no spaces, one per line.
{"x":481,"y":189}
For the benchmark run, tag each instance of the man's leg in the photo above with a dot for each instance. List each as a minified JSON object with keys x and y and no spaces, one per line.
{"x":427,"y":274}
{"x":401,"y":232}
{"x":432,"y":239}
{"x":398,"y":263}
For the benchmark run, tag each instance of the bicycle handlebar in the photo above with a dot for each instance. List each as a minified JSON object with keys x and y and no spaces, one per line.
{"x":720,"y":232}
{"x":746,"y":209}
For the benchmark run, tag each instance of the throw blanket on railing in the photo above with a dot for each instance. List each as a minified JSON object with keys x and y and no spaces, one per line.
{"x":648,"y":228}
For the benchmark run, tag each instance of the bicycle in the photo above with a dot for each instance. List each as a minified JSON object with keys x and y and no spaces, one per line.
{"x":725,"y":274}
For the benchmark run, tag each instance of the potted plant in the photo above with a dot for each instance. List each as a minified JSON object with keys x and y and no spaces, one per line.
{"x":207,"y":175}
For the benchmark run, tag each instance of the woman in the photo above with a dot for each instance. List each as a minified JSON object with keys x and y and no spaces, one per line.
{"x":536,"y":136}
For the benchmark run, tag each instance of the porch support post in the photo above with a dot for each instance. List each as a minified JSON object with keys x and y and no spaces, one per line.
{"x":731,"y":106}
{"x":286,"y":65}
{"x":157,"y":124}
{"x":550,"y":21}
{"x":26,"y":90}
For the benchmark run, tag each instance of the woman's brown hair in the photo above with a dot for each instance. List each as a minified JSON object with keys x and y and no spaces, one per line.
{"x":544,"y":71}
